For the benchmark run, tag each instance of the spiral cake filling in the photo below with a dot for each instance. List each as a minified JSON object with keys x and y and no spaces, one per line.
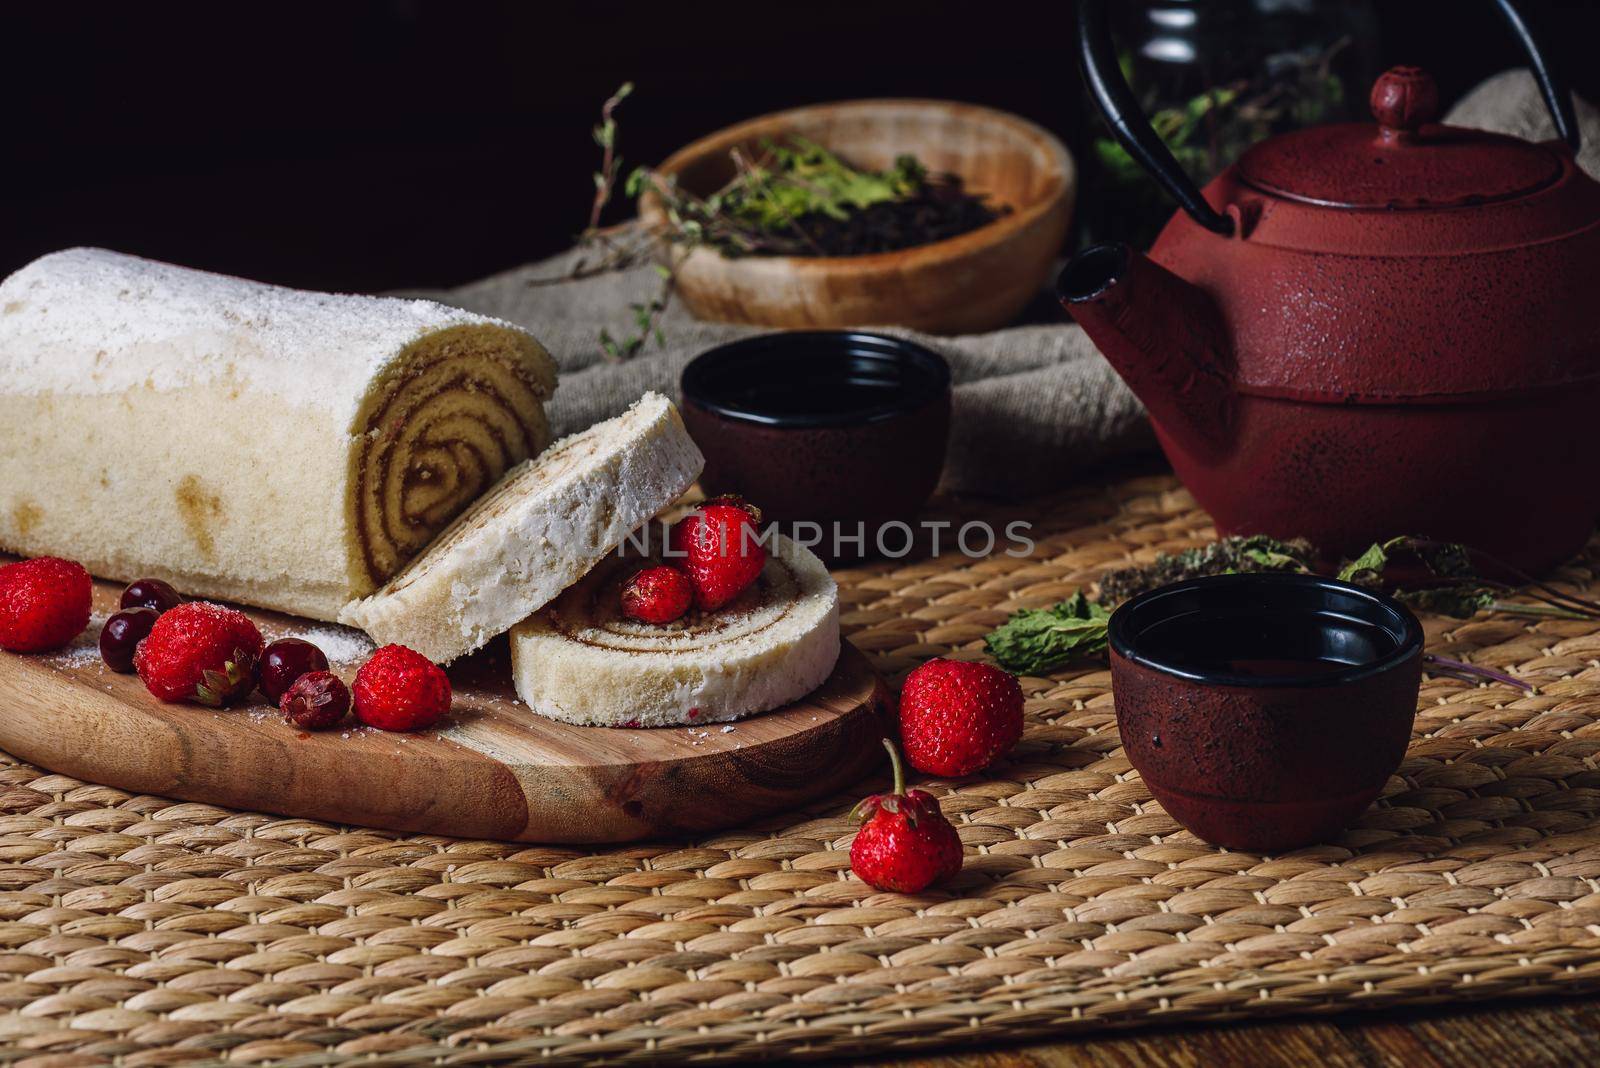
{"x":456,"y":413}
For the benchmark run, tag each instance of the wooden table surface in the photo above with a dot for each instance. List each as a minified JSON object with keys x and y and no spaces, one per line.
{"x":1520,"y":1034}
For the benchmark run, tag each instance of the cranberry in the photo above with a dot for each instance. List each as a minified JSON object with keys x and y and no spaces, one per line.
{"x":122,"y":634}
{"x":284,"y":661}
{"x":317,"y":700}
{"x":151,"y":593}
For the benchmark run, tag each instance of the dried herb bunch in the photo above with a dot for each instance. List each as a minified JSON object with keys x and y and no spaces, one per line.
{"x":1254,"y":553}
{"x":799,"y":199}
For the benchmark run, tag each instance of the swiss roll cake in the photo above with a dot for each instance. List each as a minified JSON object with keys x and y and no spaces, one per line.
{"x":581,"y":660}
{"x":286,"y":449}
{"x":549,"y":520}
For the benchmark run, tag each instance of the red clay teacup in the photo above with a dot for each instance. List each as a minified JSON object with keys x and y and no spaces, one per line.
{"x":1266,"y":711}
{"x":844,"y":430}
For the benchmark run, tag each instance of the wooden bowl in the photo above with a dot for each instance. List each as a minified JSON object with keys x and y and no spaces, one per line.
{"x":975,"y":282}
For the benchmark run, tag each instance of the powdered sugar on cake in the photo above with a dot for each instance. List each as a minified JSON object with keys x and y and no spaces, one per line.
{"x":196,"y":328}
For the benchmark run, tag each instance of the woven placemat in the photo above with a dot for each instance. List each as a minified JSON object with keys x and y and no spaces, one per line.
{"x":152,"y":932}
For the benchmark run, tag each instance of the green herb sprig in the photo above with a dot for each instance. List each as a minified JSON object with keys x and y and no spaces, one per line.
{"x":604,"y":249}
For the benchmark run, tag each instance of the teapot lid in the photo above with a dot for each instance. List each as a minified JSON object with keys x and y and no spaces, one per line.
{"x":1405,"y":162}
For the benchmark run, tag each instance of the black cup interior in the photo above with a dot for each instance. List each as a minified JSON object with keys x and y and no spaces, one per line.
{"x":816,"y":378}
{"x":1265,"y":630}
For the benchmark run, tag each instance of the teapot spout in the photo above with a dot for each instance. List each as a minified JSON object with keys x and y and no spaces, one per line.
{"x":1163,"y":335}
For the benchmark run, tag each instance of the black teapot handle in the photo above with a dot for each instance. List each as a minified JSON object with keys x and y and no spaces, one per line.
{"x":1103,"y":74}
{"x":1553,"y":87}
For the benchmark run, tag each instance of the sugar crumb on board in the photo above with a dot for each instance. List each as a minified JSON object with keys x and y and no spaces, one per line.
{"x":85,"y":648}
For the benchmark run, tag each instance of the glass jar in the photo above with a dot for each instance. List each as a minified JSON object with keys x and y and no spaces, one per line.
{"x":1215,"y":77}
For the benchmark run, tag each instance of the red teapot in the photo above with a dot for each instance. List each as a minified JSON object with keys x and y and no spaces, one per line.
{"x":1364,"y":330}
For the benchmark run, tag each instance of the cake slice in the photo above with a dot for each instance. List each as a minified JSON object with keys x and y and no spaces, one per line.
{"x":580,"y":660}
{"x":534,"y":533}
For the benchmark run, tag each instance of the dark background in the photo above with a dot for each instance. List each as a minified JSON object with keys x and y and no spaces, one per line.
{"x":373,"y":144}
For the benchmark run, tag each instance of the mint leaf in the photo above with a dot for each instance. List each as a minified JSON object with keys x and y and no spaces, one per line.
{"x":1038,"y":640}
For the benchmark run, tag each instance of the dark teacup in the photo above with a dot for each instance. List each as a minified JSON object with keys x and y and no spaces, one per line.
{"x":1265,"y":711}
{"x":842,"y":429}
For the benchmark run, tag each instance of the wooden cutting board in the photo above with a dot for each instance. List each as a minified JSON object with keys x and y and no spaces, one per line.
{"x":492,"y":770}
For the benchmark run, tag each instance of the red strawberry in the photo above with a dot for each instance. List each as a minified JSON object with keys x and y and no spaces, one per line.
{"x":957,"y":718}
{"x":720,"y":549}
{"x":399,"y":689}
{"x":905,"y":844}
{"x":200,"y":652}
{"x":44,"y":604}
{"x":657,"y":595}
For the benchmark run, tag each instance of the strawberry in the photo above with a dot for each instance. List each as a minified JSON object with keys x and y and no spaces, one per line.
{"x":200,"y":652}
{"x":905,"y":844}
{"x":44,"y":604}
{"x":399,"y":689}
{"x":957,"y":717}
{"x":720,"y":548}
{"x":657,"y":595}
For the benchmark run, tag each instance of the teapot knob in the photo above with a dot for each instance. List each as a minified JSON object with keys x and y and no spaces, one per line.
{"x":1403,"y":99}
